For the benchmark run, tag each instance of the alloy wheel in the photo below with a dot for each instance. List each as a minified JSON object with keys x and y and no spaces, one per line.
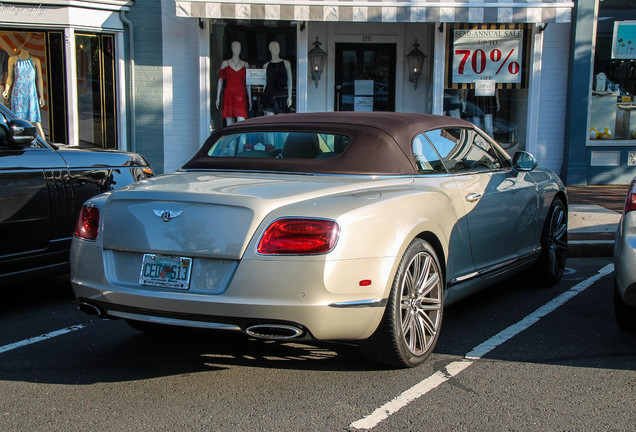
{"x":558,"y":240}
{"x":420,"y":303}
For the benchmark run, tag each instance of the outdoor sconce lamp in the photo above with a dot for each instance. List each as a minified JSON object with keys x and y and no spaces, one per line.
{"x":415,"y":62}
{"x":317,"y":58}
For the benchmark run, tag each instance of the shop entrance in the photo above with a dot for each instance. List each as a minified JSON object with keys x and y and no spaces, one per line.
{"x":96,"y":90}
{"x":365,"y":77}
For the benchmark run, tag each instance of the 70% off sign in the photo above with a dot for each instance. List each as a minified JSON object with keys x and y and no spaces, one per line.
{"x":491,"y":55}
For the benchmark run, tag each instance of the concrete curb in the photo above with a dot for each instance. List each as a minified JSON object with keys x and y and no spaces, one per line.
{"x":590,"y":248}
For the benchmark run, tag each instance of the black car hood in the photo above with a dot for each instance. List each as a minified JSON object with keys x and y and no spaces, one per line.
{"x":82,"y":157}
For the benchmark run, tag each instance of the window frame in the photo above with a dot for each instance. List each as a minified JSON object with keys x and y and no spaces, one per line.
{"x":424,"y":140}
{"x":472,"y":134}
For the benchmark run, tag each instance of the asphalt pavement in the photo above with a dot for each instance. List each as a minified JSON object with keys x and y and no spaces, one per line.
{"x":594,"y":213}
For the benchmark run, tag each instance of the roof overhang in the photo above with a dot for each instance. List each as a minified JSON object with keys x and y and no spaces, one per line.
{"x":460,"y":11}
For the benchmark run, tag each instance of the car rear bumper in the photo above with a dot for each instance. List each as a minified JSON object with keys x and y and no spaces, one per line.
{"x":625,"y":260}
{"x":322,"y":298}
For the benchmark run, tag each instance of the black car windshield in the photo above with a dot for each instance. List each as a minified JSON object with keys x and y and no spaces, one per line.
{"x":279,"y":144}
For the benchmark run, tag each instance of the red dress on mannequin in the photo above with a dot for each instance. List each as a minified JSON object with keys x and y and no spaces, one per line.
{"x":234,"y":94}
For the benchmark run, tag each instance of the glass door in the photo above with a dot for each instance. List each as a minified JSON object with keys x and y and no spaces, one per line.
{"x":56,"y":79}
{"x":96,"y":90}
{"x":365,"y":77}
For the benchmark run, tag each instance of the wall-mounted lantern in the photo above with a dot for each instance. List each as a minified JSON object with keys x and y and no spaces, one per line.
{"x":317,"y":60}
{"x":415,"y":63}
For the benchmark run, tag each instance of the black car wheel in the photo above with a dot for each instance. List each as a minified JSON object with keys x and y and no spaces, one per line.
{"x":413,"y":317}
{"x":554,"y":245}
{"x":624,"y":313}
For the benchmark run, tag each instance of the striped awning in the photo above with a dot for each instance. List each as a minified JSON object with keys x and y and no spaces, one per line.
{"x":443,"y":11}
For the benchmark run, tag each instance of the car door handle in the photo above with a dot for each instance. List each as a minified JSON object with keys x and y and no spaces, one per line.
{"x":473,"y":197}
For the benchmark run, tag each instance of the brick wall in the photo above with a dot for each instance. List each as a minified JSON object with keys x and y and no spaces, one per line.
{"x":181,"y":88}
{"x":553,"y":95}
{"x":146,"y":18}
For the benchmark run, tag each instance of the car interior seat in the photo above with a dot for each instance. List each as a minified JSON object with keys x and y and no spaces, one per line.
{"x":301,"y":146}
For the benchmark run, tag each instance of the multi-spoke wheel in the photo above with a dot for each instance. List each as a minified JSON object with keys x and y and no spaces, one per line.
{"x":413,"y":317}
{"x":554,"y":245}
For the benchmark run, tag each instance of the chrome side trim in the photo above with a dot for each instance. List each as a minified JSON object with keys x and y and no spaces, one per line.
{"x":361,"y":303}
{"x":495,"y":268}
{"x":463,"y":278}
{"x":173,"y":321}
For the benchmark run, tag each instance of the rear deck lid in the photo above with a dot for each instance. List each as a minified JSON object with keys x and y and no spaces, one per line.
{"x":204,"y":214}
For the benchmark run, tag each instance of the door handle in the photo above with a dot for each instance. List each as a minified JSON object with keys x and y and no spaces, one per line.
{"x":473,"y":197}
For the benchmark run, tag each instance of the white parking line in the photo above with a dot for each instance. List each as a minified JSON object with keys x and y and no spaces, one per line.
{"x":455,"y":368}
{"x":40,"y":338}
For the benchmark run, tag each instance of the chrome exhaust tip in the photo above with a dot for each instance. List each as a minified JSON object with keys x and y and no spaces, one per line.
{"x":90,"y":309}
{"x":274,"y":331}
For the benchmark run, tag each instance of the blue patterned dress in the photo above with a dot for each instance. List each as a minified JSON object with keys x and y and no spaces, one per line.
{"x":24,"y":97}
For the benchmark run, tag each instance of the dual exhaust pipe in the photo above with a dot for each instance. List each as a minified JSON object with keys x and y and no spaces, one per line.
{"x":274,"y":331}
{"x":90,"y":309}
{"x":259,"y":331}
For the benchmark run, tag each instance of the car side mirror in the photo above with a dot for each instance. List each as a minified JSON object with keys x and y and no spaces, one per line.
{"x":523,"y":161}
{"x":20,"y":133}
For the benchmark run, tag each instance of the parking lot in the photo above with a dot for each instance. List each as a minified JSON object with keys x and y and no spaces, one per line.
{"x":514,"y":357}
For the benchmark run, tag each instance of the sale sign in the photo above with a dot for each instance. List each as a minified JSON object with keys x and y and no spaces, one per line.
{"x":491,"y":55}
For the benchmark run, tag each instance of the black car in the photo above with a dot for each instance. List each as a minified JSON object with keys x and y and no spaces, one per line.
{"x":42,"y":189}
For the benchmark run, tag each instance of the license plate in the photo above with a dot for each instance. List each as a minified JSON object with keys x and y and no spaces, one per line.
{"x":166,"y":271}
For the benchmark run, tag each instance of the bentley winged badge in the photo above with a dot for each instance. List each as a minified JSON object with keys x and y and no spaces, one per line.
{"x":167,"y":215}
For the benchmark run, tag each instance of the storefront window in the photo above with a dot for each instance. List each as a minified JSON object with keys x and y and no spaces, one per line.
{"x":253,"y":69}
{"x":486,"y":80}
{"x":48,"y":48}
{"x":23,"y":68}
{"x":95,"y":90}
{"x":613,"y":106}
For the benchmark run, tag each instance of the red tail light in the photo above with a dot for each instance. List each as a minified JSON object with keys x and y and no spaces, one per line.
{"x":299,"y":236}
{"x":630,"y":202}
{"x":88,"y":223}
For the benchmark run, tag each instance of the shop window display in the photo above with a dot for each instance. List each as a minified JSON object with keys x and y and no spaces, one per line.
{"x":486,"y":80}
{"x":613,"y":101}
{"x":266,"y":54}
{"x":23,"y":79}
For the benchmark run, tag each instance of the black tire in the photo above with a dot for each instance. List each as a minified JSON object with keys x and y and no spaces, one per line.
{"x":624,"y":313}
{"x":554,"y":245}
{"x":412,"y":320}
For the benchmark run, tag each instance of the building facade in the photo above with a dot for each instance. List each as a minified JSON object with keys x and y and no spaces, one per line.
{"x":601,"y":135}
{"x":503,"y":66}
{"x":79,"y":45}
{"x":146,"y":76}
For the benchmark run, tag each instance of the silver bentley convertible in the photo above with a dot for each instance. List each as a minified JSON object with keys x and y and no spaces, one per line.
{"x":331,"y":226}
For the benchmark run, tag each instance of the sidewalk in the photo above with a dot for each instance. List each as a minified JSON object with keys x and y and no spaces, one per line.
{"x":594,"y":212}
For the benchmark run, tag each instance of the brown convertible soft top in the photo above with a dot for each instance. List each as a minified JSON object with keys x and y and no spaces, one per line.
{"x":380,"y":142}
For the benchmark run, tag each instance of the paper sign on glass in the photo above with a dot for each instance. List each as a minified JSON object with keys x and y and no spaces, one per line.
{"x":363,"y":87}
{"x":485,"y":88}
{"x":483,"y":54}
{"x":363,"y":103}
{"x":256,"y":77}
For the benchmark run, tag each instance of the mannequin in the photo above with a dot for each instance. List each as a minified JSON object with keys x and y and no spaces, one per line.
{"x":277,"y":96}
{"x":24,"y":84}
{"x":452,"y":103}
{"x":237,"y":95}
{"x":4,"y":63}
{"x":489,"y":105}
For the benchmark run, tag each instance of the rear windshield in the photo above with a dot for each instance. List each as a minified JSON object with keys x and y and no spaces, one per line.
{"x":285,"y":145}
